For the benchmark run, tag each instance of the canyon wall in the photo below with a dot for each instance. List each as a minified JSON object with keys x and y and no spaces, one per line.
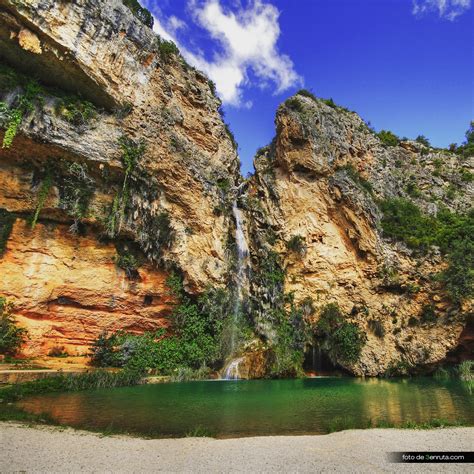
{"x":118,"y":170}
{"x":315,"y":200}
{"x":109,"y":90}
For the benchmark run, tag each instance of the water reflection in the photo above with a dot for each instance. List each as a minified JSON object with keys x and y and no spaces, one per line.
{"x":258,"y":407}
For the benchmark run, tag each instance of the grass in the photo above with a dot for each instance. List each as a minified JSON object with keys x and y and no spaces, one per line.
{"x":71,"y":383}
{"x":61,"y":383}
{"x":199,"y":432}
{"x":351,"y":423}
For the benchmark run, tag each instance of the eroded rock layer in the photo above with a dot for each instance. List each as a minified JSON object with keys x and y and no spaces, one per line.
{"x":118,"y":170}
{"x":315,"y":201}
{"x":108,"y":94}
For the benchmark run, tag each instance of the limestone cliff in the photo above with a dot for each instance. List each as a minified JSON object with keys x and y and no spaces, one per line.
{"x":314,"y":200}
{"x":118,"y":169}
{"x":119,"y":142}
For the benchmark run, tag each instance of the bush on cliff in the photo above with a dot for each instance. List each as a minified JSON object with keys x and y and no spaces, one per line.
{"x":11,"y":336}
{"x":342,"y":340}
{"x":388,"y":138}
{"x":140,"y":12}
{"x":467,"y":148}
{"x":452,"y":233}
{"x":195,"y":339}
{"x":292,"y":336}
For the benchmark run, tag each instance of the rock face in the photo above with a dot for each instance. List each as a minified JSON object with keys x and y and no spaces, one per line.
{"x":318,"y":184}
{"x":67,"y":289}
{"x":170,"y":202}
{"x":118,"y":169}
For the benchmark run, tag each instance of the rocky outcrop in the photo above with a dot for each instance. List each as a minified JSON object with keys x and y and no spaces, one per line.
{"x":118,"y":169}
{"x":67,"y":289}
{"x":108,"y":91}
{"x":314,"y":201}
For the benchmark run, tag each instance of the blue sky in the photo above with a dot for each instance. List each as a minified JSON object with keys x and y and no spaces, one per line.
{"x":405,"y":65}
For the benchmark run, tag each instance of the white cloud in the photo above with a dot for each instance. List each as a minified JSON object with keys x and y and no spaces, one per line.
{"x":448,"y":9}
{"x":245,"y":41}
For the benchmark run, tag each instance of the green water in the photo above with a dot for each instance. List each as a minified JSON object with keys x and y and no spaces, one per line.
{"x":258,"y":407}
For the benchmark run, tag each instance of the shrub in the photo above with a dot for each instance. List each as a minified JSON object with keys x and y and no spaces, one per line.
{"x":212,"y":86}
{"x":11,"y":336}
{"x":24,"y":103}
{"x":129,"y":263}
{"x":413,"y":190}
{"x":140,"y":12}
{"x":167,"y":50}
{"x":103,"y":351}
{"x":404,"y":221}
{"x":288,"y":350}
{"x":412,"y":321}
{"x":467,"y":148}
{"x":357,"y":178}
{"x":57,"y":351}
{"x":342,"y":340}
{"x":466,"y":175}
{"x":428,"y":314}
{"x":75,"y":110}
{"x":224,"y":184}
{"x":376,"y":326}
{"x":6,"y":225}
{"x":347,"y":343}
{"x":294,"y":104}
{"x":307,"y":93}
{"x":423,"y":140}
{"x":297,"y":244}
{"x":388,"y":138}
{"x":194,"y":340}
{"x":43,"y":192}
{"x":330,"y":103}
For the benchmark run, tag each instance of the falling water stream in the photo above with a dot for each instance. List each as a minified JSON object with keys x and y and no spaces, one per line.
{"x":241,"y":280}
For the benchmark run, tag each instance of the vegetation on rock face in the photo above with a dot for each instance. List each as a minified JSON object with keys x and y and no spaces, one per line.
{"x":167,"y":49}
{"x":75,"y":110}
{"x":452,"y":233}
{"x":355,"y":176}
{"x":11,"y":336}
{"x":194,"y":340}
{"x":129,"y":263}
{"x":76,"y":188}
{"x":467,"y":148}
{"x":422,"y":140}
{"x":140,"y":12}
{"x":6,"y":225}
{"x":294,"y":104}
{"x":307,"y":93}
{"x":44,"y":188}
{"x":342,"y":340}
{"x":292,"y":336}
{"x":132,"y":152}
{"x":388,"y":138}
{"x":12,"y":115}
{"x":297,"y":244}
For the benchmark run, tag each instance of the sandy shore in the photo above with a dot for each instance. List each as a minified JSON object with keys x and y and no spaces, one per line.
{"x":47,"y":449}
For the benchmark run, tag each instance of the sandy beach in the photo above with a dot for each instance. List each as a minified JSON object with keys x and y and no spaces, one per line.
{"x":49,"y":449}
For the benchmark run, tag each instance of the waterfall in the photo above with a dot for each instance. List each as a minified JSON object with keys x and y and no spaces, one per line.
{"x":232,"y":371}
{"x":241,"y":278}
{"x":241,"y":284}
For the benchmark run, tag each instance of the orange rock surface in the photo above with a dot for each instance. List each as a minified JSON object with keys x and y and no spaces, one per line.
{"x":67,"y":289}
